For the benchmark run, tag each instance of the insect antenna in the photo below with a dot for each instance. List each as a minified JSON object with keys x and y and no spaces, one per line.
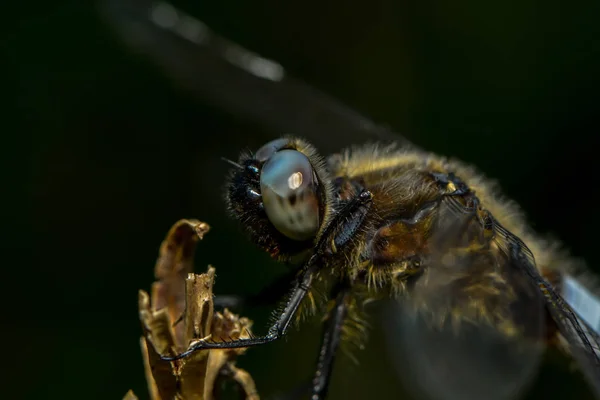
{"x":227,"y":160}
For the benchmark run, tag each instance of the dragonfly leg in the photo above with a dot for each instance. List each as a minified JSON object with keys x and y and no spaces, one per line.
{"x":318,"y":386}
{"x":277,"y":330}
{"x":329,"y":346}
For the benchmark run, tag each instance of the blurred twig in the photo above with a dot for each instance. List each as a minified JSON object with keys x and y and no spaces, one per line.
{"x":229,"y":77}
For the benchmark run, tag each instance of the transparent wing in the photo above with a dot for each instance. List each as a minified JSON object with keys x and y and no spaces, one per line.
{"x":582,"y":342}
{"x":473,"y":325}
{"x":580,"y":339}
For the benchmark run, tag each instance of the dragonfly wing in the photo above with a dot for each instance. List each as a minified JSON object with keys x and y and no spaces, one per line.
{"x":582,"y":342}
{"x":580,"y":339}
{"x":473,"y":325}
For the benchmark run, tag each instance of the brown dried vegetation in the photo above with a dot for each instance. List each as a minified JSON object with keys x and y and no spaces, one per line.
{"x":180,"y":311}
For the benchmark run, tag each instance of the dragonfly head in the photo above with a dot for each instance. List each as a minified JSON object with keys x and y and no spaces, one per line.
{"x":280,"y":194}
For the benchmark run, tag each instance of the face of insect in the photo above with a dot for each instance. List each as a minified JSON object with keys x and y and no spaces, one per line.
{"x":280,"y":194}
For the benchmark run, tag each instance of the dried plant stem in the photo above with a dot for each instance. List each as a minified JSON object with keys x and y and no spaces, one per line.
{"x":179,"y":311}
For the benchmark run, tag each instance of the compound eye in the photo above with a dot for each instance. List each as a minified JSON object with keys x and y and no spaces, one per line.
{"x":267,"y":151}
{"x":289,"y":193}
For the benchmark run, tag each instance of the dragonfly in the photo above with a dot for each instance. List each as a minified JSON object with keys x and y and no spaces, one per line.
{"x":547,"y":304}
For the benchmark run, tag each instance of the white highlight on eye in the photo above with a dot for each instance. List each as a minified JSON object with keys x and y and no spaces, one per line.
{"x":295,"y":180}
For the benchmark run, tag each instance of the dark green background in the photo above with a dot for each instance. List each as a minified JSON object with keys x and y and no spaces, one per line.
{"x":109,"y":151}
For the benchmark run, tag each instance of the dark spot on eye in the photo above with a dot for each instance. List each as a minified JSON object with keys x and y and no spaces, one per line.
{"x":291,"y":221}
{"x":293,"y":199}
{"x":300,"y":217}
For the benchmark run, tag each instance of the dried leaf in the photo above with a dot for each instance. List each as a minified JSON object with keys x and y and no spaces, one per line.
{"x":180,"y":311}
{"x":174,"y":263}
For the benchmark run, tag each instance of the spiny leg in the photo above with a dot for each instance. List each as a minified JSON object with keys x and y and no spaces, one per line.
{"x":348,"y":217}
{"x":277,"y":330}
{"x":268,"y":295}
{"x":318,"y":386}
{"x":329,"y":346}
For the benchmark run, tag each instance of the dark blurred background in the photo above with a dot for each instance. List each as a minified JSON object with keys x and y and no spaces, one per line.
{"x":114,"y":129}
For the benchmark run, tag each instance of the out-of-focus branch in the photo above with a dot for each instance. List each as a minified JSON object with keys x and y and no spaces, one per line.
{"x":229,"y":77}
{"x":180,"y":310}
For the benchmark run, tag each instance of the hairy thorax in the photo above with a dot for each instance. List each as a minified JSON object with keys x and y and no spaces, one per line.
{"x":427,"y":211}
